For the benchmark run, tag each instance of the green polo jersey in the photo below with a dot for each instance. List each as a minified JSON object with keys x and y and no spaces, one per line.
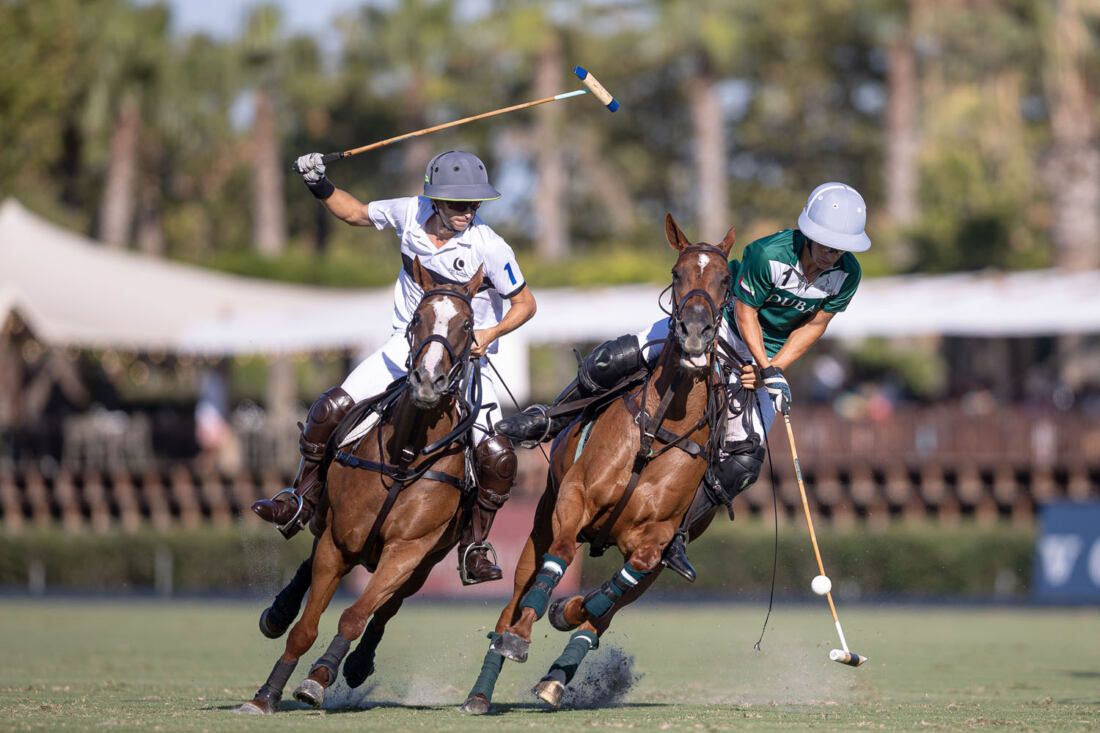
{"x":769,"y":277}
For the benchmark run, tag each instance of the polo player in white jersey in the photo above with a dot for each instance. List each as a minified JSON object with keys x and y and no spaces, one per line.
{"x":787,"y":288}
{"x":443,"y":229}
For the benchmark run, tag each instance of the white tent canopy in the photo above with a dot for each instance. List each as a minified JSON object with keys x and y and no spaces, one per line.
{"x":71,"y":291}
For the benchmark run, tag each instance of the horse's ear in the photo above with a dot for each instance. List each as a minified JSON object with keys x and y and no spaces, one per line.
{"x":474,"y":283}
{"x":422,"y":276}
{"x":727,"y":241}
{"x":675,"y":236}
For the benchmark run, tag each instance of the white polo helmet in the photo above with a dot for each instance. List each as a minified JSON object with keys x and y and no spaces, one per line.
{"x":458,"y":176}
{"x":836,"y":215}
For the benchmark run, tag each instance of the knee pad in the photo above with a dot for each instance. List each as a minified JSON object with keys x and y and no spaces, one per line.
{"x":739,"y":469}
{"x":496,"y":471}
{"x":609,"y":363}
{"x":324,"y":416}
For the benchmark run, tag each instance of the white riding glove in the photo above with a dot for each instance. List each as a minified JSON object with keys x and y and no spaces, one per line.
{"x":778,"y":389}
{"x":311,"y":166}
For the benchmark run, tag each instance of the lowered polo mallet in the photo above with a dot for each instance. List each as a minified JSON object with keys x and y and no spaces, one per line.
{"x":592,"y":85}
{"x":821,"y":584}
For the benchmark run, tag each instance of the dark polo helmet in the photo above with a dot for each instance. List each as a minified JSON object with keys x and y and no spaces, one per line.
{"x":458,"y":176}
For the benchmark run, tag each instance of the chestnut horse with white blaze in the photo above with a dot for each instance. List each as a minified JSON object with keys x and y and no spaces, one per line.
{"x":627,"y":479}
{"x":402,"y":514}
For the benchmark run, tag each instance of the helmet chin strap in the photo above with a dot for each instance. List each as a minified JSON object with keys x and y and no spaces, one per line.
{"x":443,"y":220}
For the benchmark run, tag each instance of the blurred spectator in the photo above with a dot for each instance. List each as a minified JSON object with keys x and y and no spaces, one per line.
{"x":218,"y":446}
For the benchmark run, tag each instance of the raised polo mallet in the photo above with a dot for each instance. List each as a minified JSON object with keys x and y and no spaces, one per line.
{"x":821,"y":584}
{"x":592,"y":85}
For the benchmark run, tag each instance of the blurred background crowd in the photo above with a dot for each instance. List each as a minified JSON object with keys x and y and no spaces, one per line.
{"x":970,"y":126}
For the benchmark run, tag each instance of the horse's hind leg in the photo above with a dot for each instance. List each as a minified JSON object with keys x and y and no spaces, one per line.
{"x":399,"y":561}
{"x":551,"y":687}
{"x":329,"y":565}
{"x":277,"y":618}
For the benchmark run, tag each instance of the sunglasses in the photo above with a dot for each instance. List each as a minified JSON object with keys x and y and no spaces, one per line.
{"x":462,"y":206}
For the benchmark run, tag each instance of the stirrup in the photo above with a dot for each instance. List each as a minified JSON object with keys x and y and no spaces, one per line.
{"x":486,"y":545}
{"x":290,"y":523}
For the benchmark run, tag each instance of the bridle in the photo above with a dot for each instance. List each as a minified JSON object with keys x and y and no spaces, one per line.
{"x":458,"y":361}
{"x":675,"y":314}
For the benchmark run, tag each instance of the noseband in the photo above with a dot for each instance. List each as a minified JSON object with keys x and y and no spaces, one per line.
{"x":676,"y":314}
{"x":458,"y":362}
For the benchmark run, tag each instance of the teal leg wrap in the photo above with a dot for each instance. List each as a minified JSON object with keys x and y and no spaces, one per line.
{"x":490,"y":671}
{"x":600,"y":601}
{"x":538,"y":598}
{"x":565,"y":667}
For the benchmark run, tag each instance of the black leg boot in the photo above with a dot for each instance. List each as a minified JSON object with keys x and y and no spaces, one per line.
{"x":290,"y":510}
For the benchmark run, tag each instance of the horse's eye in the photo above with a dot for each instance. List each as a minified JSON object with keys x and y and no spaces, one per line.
{"x":675,"y":275}
{"x":415,"y":320}
{"x":467,"y":326}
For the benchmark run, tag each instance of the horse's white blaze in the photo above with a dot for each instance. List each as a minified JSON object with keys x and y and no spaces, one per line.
{"x":704,"y":260}
{"x":444,"y":310}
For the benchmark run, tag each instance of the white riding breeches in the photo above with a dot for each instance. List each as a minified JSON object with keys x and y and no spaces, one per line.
{"x":759,"y":420}
{"x":378,"y":370}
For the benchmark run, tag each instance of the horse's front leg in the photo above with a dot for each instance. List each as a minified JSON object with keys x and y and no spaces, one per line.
{"x":329,"y":566}
{"x":568,"y":518}
{"x":360,"y":663}
{"x":397,"y":564}
{"x":479,"y":700}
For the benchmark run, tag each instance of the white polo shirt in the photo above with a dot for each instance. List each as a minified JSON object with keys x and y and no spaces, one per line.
{"x":456,"y":261}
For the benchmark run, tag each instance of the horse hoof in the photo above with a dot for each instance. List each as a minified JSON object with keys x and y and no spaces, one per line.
{"x":475,"y":705}
{"x":269,"y":627}
{"x":310,"y":692}
{"x":556,"y":614}
{"x":511,"y":646}
{"x":251,"y":708}
{"x":550,"y":692}
{"x":355,"y":673}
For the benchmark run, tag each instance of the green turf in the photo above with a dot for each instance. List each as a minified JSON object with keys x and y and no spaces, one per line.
{"x":184,"y":666}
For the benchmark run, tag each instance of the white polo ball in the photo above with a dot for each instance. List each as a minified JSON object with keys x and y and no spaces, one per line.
{"x":821,"y":584}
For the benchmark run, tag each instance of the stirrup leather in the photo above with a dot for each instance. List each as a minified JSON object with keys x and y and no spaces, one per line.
{"x":290,"y":524}
{"x":486,"y":545}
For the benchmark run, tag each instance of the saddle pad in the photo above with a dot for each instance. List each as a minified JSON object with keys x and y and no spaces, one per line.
{"x":584,"y":439}
{"x":361,"y":428}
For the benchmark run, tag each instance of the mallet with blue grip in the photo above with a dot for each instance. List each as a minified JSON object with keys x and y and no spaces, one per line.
{"x":592,"y":86}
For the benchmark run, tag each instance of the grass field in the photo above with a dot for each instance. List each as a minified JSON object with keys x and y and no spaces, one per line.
{"x":152,"y":666}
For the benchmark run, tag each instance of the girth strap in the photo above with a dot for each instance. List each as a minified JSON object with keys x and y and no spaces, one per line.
{"x":401,"y":479}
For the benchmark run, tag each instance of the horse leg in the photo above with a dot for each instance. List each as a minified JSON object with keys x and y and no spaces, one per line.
{"x":551,"y":687}
{"x":359,"y":665}
{"x":329,"y":566}
{"x":277,"y":618}
{"x":398,"y":563}
{"x":569,"y":516}
{"x":479,"y":701}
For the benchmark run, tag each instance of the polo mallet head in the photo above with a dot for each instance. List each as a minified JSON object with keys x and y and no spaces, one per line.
{"x":850,"y":658}
{"x":596,"y":88}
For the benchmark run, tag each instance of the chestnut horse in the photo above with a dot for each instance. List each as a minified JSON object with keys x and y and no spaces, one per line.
{"x":628,"y":483}
{"x":415,"y":461}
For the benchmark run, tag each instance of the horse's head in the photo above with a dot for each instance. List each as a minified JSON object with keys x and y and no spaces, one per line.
{"x":440,"y":335}
{"x":700,"y":289}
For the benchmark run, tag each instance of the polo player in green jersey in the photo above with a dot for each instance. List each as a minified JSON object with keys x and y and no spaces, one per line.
{"x":786,"y":289}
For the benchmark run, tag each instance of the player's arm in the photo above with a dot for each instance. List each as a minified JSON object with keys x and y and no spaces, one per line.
{"x":342,"y":204}
{"x":801,"y":339}
{"x":522,"y":307}
{"x":748,"y":325}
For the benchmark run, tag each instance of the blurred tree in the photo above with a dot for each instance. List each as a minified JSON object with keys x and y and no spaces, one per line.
{"x":262,"y":46}
{"x":1073,"y":163}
